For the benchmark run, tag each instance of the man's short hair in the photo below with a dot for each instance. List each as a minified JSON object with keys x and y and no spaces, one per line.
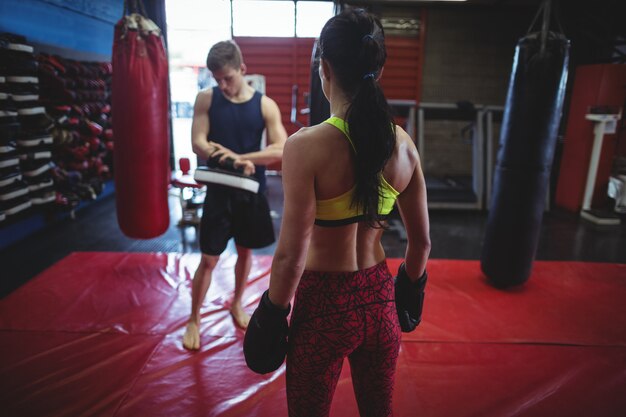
{"x":222,"y":54}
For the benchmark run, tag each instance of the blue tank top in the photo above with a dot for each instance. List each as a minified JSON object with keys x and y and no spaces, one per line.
{"x":238,"y":126}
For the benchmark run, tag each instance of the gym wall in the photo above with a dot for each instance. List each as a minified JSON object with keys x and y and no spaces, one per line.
{"x":84,"y":27}
{"x":468,"y":55}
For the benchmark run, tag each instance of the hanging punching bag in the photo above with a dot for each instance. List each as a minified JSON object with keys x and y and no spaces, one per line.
{"x":527,"y":142}
{"x":140,"y":126}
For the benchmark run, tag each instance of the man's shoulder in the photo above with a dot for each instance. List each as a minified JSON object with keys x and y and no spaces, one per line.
{"x":205,"y":94}
{"x":267,"y":100}
{"x":203,"y":100}
{"x":269,"y":106}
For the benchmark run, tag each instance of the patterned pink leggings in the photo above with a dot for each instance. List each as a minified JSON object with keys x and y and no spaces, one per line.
{"x":338,"y":315}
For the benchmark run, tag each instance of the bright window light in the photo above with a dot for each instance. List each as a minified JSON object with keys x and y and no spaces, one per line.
{"x":263,"y":18}
{"x":193,"y":26}
{"x":311,"y":17}
{"x":198,"y":14}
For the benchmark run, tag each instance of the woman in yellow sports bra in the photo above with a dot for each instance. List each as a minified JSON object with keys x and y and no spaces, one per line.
{"x":340,"y":210}
{"x":341,"y":178}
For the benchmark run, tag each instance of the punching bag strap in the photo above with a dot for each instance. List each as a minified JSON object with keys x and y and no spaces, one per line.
{"x":138,"y":22}
{"x":136,"y":5}
{"x":546,"y":9}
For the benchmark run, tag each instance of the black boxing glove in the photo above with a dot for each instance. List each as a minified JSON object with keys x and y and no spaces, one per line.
{"x":409,"y":299}
{"x":265,"y":343}
{"x":228,"y":164}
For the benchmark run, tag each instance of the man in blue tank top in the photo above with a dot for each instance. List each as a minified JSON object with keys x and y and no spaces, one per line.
{"x":228,"y":122}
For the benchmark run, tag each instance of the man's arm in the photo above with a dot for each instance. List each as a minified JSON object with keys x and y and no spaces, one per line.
{"x":276,"y":137}
{"x":276,"y":133}
{"x":200,"y":125}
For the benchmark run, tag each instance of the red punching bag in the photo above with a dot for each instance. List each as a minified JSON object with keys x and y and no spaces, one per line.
{"x":140,"y":126}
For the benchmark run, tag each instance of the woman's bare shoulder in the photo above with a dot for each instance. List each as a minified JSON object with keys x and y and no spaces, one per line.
{"x":315,"y":139}
{"x":405,"y":146}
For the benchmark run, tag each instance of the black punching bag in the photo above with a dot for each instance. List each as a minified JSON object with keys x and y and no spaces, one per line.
{"x":527,"y":141}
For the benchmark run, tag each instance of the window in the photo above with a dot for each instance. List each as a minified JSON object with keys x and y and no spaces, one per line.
{"x":311,"y":17}
{"x":263,"y":18}
{"x":193,"y":26}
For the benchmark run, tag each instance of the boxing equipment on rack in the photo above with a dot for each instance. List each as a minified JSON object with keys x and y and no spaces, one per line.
{"x":527,"y":142}
{"x":140,"y":124}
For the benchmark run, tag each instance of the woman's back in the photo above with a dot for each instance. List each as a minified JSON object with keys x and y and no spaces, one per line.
{"x":353,"y":246}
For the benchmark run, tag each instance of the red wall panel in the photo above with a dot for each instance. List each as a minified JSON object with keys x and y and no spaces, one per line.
{"x":594,"y":85}
{"x":401,"y":73}
{"x":284,"y":62}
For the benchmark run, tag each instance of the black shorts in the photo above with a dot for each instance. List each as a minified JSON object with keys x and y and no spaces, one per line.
{"x":229,"y":212}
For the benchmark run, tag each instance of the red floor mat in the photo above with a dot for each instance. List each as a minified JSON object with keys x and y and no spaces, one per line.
{"x":99,"y":334}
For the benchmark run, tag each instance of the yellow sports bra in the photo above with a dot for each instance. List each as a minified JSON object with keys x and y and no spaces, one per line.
{"x":338,"y":211}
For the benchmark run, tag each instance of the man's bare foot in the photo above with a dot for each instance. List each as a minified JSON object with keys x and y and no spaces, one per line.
{"x":191,"y":339}
{"x":240,"y":316}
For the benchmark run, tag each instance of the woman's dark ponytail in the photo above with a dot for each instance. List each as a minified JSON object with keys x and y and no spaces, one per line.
{"x":353,"y":44}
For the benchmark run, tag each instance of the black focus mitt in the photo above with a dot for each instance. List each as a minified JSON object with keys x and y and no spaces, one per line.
{"x":225,"y":173}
